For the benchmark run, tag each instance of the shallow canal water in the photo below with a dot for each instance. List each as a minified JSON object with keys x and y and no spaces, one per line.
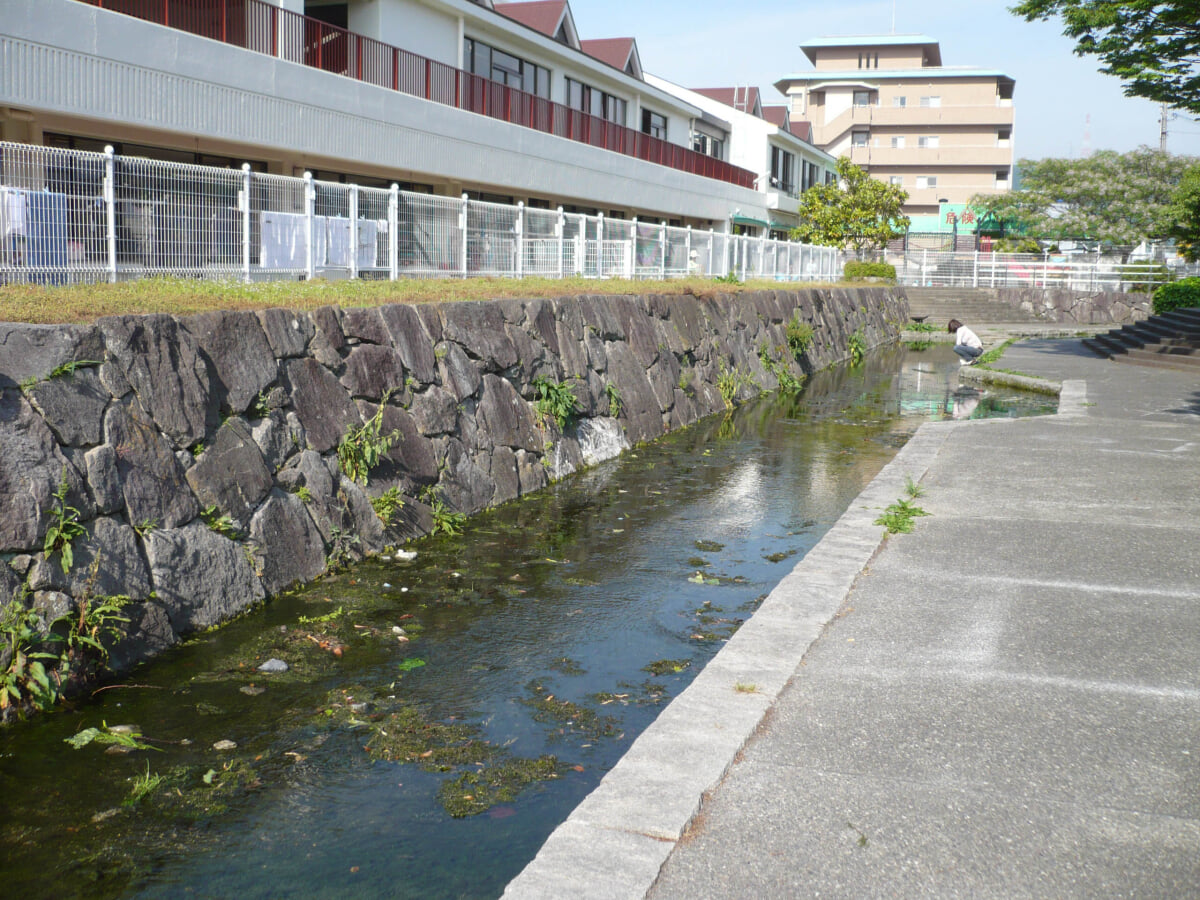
{"x":440,"y":717}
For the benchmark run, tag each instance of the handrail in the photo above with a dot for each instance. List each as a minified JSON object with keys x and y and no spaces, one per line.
{"x":262,"y":28}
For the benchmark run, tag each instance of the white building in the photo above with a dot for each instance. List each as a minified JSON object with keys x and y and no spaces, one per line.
{"x":763,"y":140}
{"x":503,"y":101}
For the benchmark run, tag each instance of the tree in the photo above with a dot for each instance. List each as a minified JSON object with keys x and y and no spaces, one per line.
{"x":859,"y":212}
{"x":1108,"y":196}
{"x":1152,"y":47}
{"x":1185,"y":208}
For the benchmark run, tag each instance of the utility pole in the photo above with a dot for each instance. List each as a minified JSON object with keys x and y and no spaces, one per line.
{"x":1162,"y":128}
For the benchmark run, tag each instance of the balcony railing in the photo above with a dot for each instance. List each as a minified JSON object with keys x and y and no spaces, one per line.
{"x":262,"y":28}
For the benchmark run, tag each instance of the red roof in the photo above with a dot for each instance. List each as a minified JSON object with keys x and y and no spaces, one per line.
{"x":614,"y":51}
{"x":777,"y":116}
{"x":747,"y":98}
{"x":540,"y":15}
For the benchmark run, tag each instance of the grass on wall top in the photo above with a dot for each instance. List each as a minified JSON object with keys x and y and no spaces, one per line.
{"x":180,"y":296}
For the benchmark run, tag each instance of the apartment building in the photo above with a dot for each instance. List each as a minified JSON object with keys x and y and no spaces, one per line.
{"x":502,"y":101}
{"x":764,"y":140}
{"x":942,"y":133}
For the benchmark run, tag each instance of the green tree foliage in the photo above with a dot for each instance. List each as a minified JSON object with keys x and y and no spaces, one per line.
{"x":1108,"y":196}
{"x":1152,"y":47}
{"x":1185,"y":211}
{"x":860,"y":212}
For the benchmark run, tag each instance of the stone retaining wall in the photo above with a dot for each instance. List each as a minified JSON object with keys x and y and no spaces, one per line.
{"x":166,"y":424}
{"x":1078,"y":307}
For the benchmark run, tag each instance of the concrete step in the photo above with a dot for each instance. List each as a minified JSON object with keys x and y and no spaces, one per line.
{"x":1155,"y":361}
{"x":1187,"y":321}
{"x":1184,"y":316}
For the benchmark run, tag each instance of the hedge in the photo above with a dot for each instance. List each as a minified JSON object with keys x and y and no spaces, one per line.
{"x":857,"y":271}
{"x":1182,"y":294}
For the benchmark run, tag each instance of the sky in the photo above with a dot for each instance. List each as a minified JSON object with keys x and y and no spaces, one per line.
{"x":718,"y":43}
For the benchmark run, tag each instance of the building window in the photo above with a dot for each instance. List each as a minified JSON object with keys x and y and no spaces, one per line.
{"x":595,"y":102}
{"x":898,"y":142}
{"x":926,"y":181}
{"x":868,"y":60}
{"x":862,"y":98}
{"x":707,"y":144}
{"x":1003,"y":137}
{"x":900,"y":102}
{"x":783,"y":171}
{"x":859,"y":138}
{"x":929,"y":142}
{"x":496,"y":65}
{"x":654,"y":125}
{"x":897,"y":180}
{"x":1002,"y":178}
{"x":931,"y":102}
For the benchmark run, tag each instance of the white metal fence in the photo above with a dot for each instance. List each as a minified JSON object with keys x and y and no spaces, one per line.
{"x":1078,"y":272}
{"x":69,"y":216}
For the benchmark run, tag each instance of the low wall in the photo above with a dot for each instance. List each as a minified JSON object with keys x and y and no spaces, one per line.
{"x":1078,"y":307}
{"x":200,"y":453}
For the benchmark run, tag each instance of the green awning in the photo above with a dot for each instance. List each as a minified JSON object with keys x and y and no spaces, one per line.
{"x":739,"y":219}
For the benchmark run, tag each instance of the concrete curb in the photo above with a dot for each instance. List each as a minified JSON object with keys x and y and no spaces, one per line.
{"x":615,"y":842}
{"x":1009,"y":379}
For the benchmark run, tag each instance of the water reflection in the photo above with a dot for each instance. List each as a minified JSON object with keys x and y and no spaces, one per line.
{"x":557,"y":625}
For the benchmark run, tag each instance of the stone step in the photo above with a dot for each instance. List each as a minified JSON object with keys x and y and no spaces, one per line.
{"x":1189,"y":316}
{"x":1160,"y":361}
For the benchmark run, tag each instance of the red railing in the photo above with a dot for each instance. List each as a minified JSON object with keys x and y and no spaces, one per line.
{"x":263,"y":28}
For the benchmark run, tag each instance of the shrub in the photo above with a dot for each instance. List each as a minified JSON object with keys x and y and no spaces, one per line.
{"x":857,"y":271}
{"x":1181,"y":294}
{"x":1016,"y":245}
{"x":799,"y":335}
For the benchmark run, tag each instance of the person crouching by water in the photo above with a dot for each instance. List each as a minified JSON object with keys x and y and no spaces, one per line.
{"x":966,"y":343}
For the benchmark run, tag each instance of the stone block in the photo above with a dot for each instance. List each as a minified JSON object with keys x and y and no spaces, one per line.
{"x":372,"y":370}
{"x":31,"y":468}
{"x":287,"y":332}
{"x":433,"y":411}
{"x":108,"y":561}
{"x":322,"y":403}
{"x":231,"y":473}
{"x":290,"y":545}
{"x":240,"y":359}
{"x":151,"y":479}
{"x":365,"y":324}
{"x":412,"y":340}
{"x":478,"y":327}
{"x":505,"y":417}
{"x":162,"y":363}
{"x":34,"y":351}
{"x":459,"y":373}
{"x":73,"y":406}
{"x":201,"y":577}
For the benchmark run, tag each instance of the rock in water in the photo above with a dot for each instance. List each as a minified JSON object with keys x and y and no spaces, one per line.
{"x":273,"y":665}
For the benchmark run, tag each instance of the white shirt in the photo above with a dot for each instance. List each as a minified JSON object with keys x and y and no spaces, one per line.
{"x":966,"y":336}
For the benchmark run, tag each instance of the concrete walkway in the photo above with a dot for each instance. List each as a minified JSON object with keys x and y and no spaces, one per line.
{"x":1004,"y":703}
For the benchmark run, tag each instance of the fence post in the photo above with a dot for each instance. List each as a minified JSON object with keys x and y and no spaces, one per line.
{"x":244,"y":203}
{"x":394,"y":232}
{"x":354,"y":231}
{"x":925,"y":266}
{"x":559,"y":230}
{"x":520,"y":230}
{"x":687,"y":250}
{"x":1045,"y":269}
{"x":310,"y":212}
{"x":975,"y":276}
{"x":993,"y":268}
{"x":712,"y":243}
{"x":662,"y":256}
{"x":110,"y":210}
{"x":462,"y":226}
{"x":581,"y":245}
{"x":600,"y":245}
